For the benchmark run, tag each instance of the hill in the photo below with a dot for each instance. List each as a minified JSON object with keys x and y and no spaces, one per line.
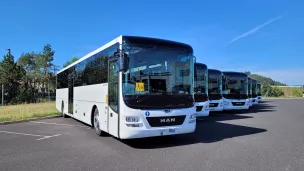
{"x":264,"y":80}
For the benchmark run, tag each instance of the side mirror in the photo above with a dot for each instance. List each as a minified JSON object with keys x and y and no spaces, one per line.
{"x":123,"y":62}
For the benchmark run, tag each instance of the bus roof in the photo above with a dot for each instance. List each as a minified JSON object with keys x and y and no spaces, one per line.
{"x":214,"y":72}
{"x":234,"y":74}
{"x":132,"y":40}
{"x":201,"y":65}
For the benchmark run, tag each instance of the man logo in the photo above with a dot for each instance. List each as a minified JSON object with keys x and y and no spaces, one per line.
{"x":167,"y":120}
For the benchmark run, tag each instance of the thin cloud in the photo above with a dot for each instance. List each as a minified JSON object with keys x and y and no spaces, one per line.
{"x":255,"y":29}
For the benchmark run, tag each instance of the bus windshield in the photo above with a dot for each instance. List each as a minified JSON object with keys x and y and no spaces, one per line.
{"x":200,"y":80}
{"x":158,"y":72}
{"x":236,"y":85}
{"x":215,"y":84}
{"x":259,"y":89}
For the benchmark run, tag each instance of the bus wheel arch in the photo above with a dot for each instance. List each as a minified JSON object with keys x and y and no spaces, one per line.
{"x":92,"y":115}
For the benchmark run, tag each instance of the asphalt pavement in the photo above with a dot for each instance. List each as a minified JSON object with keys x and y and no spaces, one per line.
{"x":270,"y":136}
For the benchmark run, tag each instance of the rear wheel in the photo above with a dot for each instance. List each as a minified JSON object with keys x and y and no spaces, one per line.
{"x":96,"y":123}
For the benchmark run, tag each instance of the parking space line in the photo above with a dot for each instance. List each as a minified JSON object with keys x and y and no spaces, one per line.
{"x":48,"y":123}
{"x":17,"y":133}
{"x":46,"y":137}
{"x":33,"y":135}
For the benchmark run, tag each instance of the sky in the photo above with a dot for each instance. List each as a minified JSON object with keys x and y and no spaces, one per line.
{"x":264,"y":37}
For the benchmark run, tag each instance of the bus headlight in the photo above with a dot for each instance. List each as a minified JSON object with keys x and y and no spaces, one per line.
{"x":132,"y":119}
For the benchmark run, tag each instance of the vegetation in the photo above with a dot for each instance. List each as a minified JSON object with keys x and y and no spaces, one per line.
{"x":28,"y":78}
{"x":270,"y":89}
{"x":27,"y":111}
{"x":74,"y":59}
{"x":264,"y":80}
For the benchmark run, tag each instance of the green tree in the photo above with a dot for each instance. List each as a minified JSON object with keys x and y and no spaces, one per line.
{"x":11,"y":77}
{"x":74,"y":59}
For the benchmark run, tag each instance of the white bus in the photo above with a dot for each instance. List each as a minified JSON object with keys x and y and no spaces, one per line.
{"x":259,"y":93}
{"x":250,"y":92}
{"x":215,"y":90}
{"x":235,"y":91}
{"x":132,"y":87}
{"x":201,"y":89}
{"x":254,"y":85}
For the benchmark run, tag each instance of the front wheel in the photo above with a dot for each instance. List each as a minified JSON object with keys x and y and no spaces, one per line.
{"x":96,"y":123}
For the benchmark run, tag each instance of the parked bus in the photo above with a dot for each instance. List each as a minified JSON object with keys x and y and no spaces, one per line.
{"x":201,"y":89}
{"x":250,"y":91}
{"x":132,"y":87}
{"x":254,"y":92}
{"x":259,"y":93}
{"x":215,"y":90}
{"x":235,"y":91}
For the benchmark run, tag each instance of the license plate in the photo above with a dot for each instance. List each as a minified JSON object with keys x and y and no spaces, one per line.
{"x":171,"y":130}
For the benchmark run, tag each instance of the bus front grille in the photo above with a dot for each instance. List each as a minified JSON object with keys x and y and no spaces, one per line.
{"x":166,"y":121}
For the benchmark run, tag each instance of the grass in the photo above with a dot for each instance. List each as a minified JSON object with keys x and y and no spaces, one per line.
{"x":27,"y":111}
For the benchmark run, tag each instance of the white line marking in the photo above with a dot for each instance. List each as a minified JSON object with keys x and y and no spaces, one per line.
{"x":46,"y":137}
{"x":48,"y":123}
{"x":42,"y":136}
{"x":8,"y":132}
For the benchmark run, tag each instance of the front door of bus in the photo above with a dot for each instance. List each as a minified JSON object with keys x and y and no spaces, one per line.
{"x":71,"y":93}
{"x":113,"y":98}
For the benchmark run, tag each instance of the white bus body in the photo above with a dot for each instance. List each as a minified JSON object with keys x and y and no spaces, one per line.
{"x":215,"y":90}
{"x":235,"y":91}
{"x":97,"y":89}
{"x":201,"y":89}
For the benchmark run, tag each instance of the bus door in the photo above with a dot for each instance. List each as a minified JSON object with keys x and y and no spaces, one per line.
{"x":71,"y":93}
{"x":113,"y":111}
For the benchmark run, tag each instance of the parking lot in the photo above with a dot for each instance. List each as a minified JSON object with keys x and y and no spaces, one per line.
{"x":268,"y":137}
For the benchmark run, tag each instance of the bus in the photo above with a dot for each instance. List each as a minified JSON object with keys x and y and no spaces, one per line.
{"x":132,"y":87}
{"x":215,"y":90}
{"x":254,"y":92}
{"x":250,"y":91}
{"x":201,"y":89}
{"x":259,"y":93}
{"x":235,"y":91}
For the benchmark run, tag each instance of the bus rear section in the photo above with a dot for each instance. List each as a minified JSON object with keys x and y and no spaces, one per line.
{"x":259,"y":92}
{"x":254,"y":92}
{"x":235,"y":91}
{"x":201,"y":89}
{"x":132,"y":87}
{"x":215,"y":90}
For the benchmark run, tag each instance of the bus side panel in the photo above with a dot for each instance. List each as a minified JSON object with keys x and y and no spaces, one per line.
{"x":85,"y":98}
{"x":62,"y":96}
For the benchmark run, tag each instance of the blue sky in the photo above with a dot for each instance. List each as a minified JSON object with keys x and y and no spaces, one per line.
{"x":264,"y":37}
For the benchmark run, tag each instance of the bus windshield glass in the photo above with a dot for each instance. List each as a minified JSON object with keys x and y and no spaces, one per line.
{"x":200,"y":80}
{"x":254,"y":87}
{"x":215,"y":84}
{"x":259,"y":89}
{"x":155,"y":74}
{"x":236,"y":85}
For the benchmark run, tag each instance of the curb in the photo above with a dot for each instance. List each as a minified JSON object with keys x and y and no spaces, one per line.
{"x":27,"y":120}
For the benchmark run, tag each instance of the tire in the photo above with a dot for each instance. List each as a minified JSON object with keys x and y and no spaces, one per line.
{"x":96,"y":122}
{"x":62,"y":111}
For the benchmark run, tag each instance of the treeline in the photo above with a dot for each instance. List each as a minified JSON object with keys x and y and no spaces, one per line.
{"x":29,"y":78}
{"x":264,"y":80}
{"x":269,"y":88}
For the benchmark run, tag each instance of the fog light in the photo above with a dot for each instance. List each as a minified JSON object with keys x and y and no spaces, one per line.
{"x":193,"y":116}
{"x":132,"y":119}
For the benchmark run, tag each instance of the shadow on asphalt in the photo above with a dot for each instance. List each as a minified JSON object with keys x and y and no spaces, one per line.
{"x":206,"y":132}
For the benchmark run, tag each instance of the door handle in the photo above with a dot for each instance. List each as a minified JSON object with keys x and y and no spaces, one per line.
{"x":111,"y":114}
